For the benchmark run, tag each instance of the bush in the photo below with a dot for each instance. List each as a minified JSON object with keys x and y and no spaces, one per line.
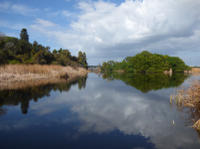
{"x":146,"y":62}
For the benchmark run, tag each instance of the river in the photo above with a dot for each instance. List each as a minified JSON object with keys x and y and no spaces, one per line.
{"x":97,"y":113}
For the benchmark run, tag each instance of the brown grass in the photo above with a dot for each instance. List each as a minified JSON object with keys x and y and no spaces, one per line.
{"x":190,"y":98}
{"x":19,"y":74}
{"x":195,"y":70}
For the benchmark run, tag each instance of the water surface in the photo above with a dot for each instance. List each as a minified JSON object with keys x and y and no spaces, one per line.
{"x":115,"y":112}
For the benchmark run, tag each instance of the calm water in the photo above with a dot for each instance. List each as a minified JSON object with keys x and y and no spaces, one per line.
{"x":97,"y":113}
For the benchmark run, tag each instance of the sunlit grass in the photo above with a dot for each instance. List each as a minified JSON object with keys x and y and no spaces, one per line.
{"x":196,"y":71}
{"x":190,"y":98}
{"x":10,"y":75}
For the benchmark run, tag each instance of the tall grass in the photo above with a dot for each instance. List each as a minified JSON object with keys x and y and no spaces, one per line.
{"x":10,"y":74}
{"x":190,"y":98}
{"x":195,"y":70}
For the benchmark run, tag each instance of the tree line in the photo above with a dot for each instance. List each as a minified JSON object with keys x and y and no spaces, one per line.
{"x":21,"y":51}
{"x":146,"y":62}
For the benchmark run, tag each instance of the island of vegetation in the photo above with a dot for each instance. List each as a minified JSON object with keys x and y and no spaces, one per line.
{"x":146,"y":71}
{"x":146,"y":62}
{"x":22,"y":61}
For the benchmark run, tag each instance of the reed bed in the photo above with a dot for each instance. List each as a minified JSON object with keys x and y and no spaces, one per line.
{"x":196,"y":71}
{"x":20,"y":74}
{"x":190,"y":98}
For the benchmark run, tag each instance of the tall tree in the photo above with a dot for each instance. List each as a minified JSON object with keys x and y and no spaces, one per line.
{"x":82,"y":59}
{"x":24,"y":35}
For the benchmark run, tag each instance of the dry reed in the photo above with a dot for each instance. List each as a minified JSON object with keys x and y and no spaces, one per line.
{"x":196,"y":71}
{"x":190,"y":98}
{"x":19,"y":74}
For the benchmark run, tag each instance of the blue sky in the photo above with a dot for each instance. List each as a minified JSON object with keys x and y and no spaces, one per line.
{"x":108,"y":29}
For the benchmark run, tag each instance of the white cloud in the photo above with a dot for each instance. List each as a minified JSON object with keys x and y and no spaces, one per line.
{"x":106,"y":30}
{"x":17,"y":8}
{"x":45,"y":23}
{"x":24,"y":10}
{"x":66,"y":13}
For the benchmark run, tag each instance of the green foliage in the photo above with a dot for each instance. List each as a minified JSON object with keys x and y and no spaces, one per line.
{"x":62,"y":57}
{"x":42,"y":57}
{"x":177,"y":64}
{"x":146,"y":62}
{"x":82,"y":59}
{"x":14,"y":51}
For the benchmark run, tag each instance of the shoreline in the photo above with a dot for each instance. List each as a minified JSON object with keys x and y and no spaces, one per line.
{"x":189,"y":98}
{"x":18,"y":76}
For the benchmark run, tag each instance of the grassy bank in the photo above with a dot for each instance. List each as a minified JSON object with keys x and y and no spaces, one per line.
{"x":190,"y":98}
{"x":195,"y":70}
{"x":21,"y":75}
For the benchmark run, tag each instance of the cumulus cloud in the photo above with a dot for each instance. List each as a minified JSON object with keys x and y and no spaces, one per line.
{"x":106,"y":30}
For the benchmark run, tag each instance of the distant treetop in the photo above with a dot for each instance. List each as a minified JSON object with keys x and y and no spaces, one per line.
{"x":24,"y":35}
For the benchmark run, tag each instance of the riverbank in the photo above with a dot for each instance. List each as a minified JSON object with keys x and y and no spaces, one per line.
{"x":195,"y":71}
{"x":190,"y":98}
{"x":21,"y":75}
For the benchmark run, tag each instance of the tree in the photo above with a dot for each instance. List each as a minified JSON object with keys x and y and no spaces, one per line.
{"x":13,"y":51}
{"x":24,"y":35}
{"x":146,"y":62}
{"x":3,"y":57}
{"x":82,"y":59}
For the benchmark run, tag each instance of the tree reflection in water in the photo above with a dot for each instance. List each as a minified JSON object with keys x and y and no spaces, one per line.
{"x":24,"y":96}
{"x":148,"y":82}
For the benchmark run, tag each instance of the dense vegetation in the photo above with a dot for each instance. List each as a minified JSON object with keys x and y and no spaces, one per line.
{"x":14,"y":51}
{"x":146,"y":62}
